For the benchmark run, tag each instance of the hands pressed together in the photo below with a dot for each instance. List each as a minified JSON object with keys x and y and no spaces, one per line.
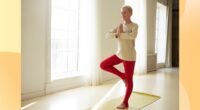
{"x":119,"y":30}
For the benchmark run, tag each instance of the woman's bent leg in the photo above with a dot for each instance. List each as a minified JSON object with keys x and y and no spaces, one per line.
{"x":108,"y":65}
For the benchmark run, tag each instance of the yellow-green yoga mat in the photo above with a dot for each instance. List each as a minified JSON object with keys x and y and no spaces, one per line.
{"x":137,"y":101}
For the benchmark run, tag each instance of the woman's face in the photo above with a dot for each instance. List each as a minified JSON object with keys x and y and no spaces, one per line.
{"x":125,"y":14}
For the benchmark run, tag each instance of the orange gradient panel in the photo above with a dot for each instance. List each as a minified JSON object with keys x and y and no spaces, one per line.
{"x":181,"y":7}
{"x":10,"y":81}
{"x":190,"y":53}
{"x":10,"y":53}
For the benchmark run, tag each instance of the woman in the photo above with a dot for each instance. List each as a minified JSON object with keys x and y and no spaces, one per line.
{"x":125,"y":33}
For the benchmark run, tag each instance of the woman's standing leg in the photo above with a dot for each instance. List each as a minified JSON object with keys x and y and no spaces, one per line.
{"x":108,"y":65}
{"x":129,"y":71}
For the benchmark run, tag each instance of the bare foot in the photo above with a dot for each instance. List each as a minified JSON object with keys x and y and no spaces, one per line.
{"x":122,"y":106}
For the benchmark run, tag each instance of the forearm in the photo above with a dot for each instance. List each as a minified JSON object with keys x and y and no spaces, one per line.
{"x":127,"y":36}
{"x":111,"y":35}
{"x":130,"y":35}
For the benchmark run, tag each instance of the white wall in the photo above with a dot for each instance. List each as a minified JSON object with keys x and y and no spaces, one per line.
{"x":33,"y":46}
{"x":151,"y":25}
{"x":108,"y":18}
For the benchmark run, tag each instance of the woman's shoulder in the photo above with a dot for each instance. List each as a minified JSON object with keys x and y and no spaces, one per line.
{"x":133,"y":24}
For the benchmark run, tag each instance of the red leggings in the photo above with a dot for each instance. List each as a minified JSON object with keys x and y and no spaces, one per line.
{"x":108,"y":65}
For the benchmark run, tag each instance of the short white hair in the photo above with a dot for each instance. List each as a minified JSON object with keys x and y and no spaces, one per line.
{"x":129,"y":8}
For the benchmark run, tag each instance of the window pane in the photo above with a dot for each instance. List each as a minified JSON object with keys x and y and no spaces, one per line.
{"x":61,"y":20}
{"x":64,"y":37}
{"x":72,"y":57}
{"x":73,"y":41}
{"x":61,"y":4}
{"x":161,"y":33}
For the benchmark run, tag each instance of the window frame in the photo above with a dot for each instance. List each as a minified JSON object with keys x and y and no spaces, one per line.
{"x":57,"y":76}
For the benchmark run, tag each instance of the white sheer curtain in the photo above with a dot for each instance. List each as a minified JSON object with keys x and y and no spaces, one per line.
{"x":89,"y":46}
{"x":140,"y":17}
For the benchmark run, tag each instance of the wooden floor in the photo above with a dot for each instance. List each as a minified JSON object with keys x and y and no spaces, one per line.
{"x":163,"y":82}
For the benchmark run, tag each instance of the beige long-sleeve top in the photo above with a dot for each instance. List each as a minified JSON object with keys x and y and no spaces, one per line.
{"x":126,"y":42}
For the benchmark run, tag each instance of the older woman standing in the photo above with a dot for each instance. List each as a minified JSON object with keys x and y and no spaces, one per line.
{"x":125,"y":33}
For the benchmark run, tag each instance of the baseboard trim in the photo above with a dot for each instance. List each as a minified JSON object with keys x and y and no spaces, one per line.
{"x":56,"y":86}
{"x":34,"y":94}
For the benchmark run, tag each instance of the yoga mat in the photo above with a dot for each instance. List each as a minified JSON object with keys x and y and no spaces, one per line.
{"x":137,"y":101}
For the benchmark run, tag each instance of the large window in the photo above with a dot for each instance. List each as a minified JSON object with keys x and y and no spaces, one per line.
{"x":161,"y":34}
{"x":64,"y":38}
